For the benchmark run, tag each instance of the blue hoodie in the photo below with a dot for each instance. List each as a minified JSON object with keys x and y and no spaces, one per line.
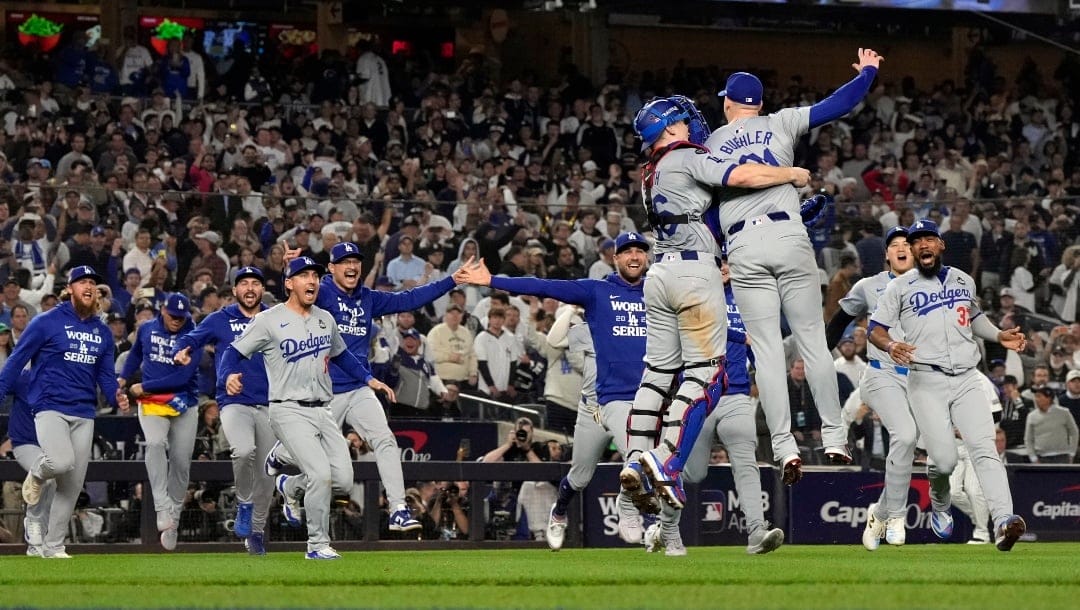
{"x":21,"y":428}
{"x":71,"y":358}
{"x":153,"y":349}
{"x":738,"y":353}
{"x":354,"y":312}
{"x":221,"y":328}
{"x":615,"y":311}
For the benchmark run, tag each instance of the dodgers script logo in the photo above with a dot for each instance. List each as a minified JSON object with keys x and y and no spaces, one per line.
{"x":294,"y":350}
{"x":923,"y":303}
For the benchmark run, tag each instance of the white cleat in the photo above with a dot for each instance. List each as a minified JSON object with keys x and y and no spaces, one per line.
{"x":164,"y":520}
{"x":653,"y":543}
{"x":767,"y":542}
{"x":874,"y":531}
{"x":60,"y":555}
{"x":169,"y":538}
{"x":556,"y":530}
{"x":896,"y":531}
{"x":31,"y":489}
{"x":673,"y":546}
{"x":323,"y":553}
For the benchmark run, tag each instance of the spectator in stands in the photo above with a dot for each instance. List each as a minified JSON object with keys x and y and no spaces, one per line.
{"x":805,"y":422}
{"x":1070,"y":398}
{"x":497,"y":354}
{"x":849,"y":363}
{"x":1050,"y":433}
{"x":961,"y":247}
{"x":841,"y":283}
{"x":1014,"y":412}
{"x":1065,"y":285}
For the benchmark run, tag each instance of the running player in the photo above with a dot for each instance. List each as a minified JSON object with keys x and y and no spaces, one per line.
{"x":684,"y":296}
{"x":244,"y":416}
{"x":769,"y":251}
{"x":935,"y":308}
{"x":884,"y":389}
{"x":298,"y":342}
{"x":353,"y":307}
{"x":168,"y":412}
{"x":24,"y":445}
{"x":71,"y":351}
{"x":614,"y":311}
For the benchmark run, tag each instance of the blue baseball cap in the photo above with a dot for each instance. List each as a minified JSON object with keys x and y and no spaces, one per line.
{"x":244,"y":272}
{"x":98,"y":230}
{"x":303,"y":263}
{"x":922,"y":228}
{"x":178,"y":306}
{"x":625,"y":240}
{"x":412,"y":332}
{"x":743,"y":88}
{"x":895,"y":232}
{"x":84,"y":271}
{"x":344,"y":250}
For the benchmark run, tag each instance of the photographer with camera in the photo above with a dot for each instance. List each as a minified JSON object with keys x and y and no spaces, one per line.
{"x":449,"y":511}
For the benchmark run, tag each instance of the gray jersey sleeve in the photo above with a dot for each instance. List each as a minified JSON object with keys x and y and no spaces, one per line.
{"x":255,"y":338}
{"x":682,"y":186}
{"x":887,"y":313}
{"x":854,"y":302}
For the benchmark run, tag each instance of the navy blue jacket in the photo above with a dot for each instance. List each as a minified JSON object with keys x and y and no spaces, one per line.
{"x":221,"y":328}
{"x":153,"y":349}
{"x":737,"y":351}
{"x":615,"y":311}
{"x":71,"y":358}
{"x":21,"y":428}
{"x":354,"y":312}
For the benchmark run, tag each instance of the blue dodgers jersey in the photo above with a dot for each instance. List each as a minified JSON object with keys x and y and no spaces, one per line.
{"x":354,"y":313}
{"x":738,"y":355}
{"x":615,"y":311}
{"x":153,"y":350}
{"x":221,"y":328}
{"x":71,"y":358}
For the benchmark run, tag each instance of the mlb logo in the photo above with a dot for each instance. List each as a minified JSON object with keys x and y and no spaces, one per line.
{"x":749,"y":100}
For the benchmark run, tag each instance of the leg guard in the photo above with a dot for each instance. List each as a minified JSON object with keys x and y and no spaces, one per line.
{"x":695,"y":400}
{"x":642,"y":427}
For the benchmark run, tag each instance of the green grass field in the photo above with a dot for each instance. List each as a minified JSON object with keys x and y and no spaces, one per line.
{"x":1033,"y":576}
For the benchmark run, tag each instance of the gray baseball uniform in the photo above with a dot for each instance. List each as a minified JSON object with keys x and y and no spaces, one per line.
{"x":27,"y":456}
{"x":684,"y":293}
{"x":967,"y":494}
{"x":771,"y":271}
{"x":884,"y":389}
{"x":297,"y":351}
{"x":944,"y":388}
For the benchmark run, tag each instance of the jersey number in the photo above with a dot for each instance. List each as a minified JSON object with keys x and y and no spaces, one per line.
{"x":962,"y":315}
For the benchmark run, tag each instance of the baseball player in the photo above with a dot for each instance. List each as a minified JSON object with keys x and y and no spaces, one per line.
{"x":884,"y":389}
{"x":615,"y":315}
{"x":733,"y":423}
{"x":769,"y":252}
{"x":244,"y":416}
{"x":936,"y":310}
{"x":70,"y":351}
{"x":168,"y":410}
{"x":24,"y":445}
{"x":684,"y":296}
{"x":967,"y":494}
{"x":299,"y":341}
{"x":353,"y":307}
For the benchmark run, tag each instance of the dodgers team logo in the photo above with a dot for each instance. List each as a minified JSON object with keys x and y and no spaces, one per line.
{"x":923,"y":303}
{"x":294,"y":350}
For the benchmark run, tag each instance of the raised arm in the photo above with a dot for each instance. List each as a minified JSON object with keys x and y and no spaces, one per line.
{"x":844,"y":99}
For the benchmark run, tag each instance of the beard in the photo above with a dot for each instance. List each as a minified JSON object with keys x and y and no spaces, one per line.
{"x":85,"y":311}
{"x":932,"y":270}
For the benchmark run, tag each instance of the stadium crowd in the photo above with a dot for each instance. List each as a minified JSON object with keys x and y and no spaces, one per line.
{"x":168,"y":174}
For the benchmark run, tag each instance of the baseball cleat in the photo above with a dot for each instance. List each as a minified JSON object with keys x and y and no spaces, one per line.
{"x":165,"y":520}
{"x":896,"y":531}
{"x":839,"y":456}
{"x":556,"y":529}
{"x":401,"y":520}
{"x":271,"y":465}
{"x":242,"y":526}
{"x":978,"y":541}
{"x":874,"y":531}
{"x":31,"y":489}
{"x":255,"y":544}
{"x":792,"y":469}
{"x":638,"y":488}
{"x":673,"y":546}
{"x":169,"y":538}
{"x":290,"y":507}
{"x":33,"y":532}
{"x":942,"y":524}
{"x":323,"y":553}
{"x":1008,"y":531}
{"x":669,"y":487}
{"x":630,"y":521}
{"x":59,"y":555}
{"x":33,"y":551}
{"x":765,"y":541}
{"x":653,"y":542}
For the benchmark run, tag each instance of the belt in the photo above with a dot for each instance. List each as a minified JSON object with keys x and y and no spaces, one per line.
{"x":686,"y":255}
{"x":310,"y":404}
{"x":884,"y":366}
{"x":758,"y":220}
{"x":926,"y":368}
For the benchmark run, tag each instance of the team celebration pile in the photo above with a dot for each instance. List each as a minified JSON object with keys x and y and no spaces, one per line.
{"x":274,"y":268}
